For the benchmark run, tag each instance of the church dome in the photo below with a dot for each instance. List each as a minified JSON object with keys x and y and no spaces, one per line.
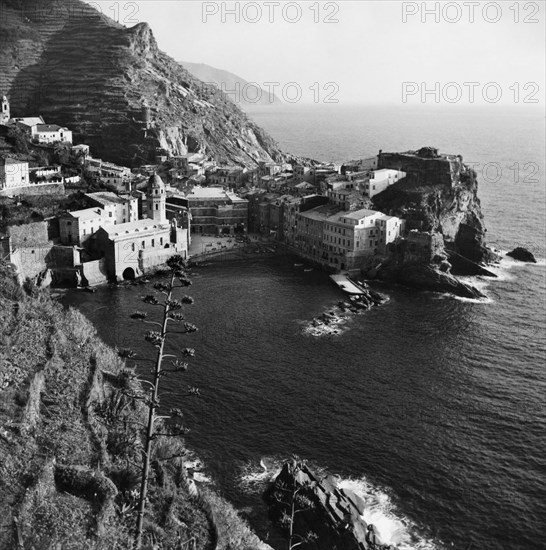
{"x":155,"y":182}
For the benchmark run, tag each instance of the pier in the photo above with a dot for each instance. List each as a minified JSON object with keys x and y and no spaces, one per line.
{"x":343,"y":282}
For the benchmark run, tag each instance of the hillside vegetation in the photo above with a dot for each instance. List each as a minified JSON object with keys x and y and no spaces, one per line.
{"x":77,"y":67}
{"x":71,"y":442}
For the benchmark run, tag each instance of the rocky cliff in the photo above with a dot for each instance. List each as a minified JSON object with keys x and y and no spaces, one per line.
{"x":440,"y":195}
{"x":115,"y":88}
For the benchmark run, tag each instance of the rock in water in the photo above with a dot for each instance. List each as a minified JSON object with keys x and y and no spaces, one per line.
{"x":328,"y":516}
{"x":522,"y":255}
{"x":426,"y":277}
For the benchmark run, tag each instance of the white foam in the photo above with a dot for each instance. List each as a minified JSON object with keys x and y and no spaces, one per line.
{"x":393,"y":528}
{"x":254,"y":477}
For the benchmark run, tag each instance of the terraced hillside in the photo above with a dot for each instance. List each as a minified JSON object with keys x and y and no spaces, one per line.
{"x":76,"y":67}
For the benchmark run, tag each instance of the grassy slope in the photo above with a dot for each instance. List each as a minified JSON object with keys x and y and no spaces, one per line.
{"x":70,"y":442}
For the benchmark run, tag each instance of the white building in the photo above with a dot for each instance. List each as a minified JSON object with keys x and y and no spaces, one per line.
{"x":342,"y":239}
{"x":13,"y":173}
{"x":51,"y":133}
{"x":76,"y":227}
{"x":380,"y":180}
{"x":130,"y":249}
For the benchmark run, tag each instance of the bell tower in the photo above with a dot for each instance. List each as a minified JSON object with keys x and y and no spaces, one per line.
{"x":156,"y":199}
{"x":4,"y":111}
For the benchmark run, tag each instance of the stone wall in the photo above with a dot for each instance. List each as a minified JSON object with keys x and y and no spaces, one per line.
{"x":94,"y":273}
{"x":37,"y":189}
{"x":442,"y":170}
{"x":29,"y":234}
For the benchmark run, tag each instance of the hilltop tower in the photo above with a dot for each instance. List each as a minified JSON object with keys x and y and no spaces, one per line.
{"x":4,"y":111}
{"x":156,"y":199}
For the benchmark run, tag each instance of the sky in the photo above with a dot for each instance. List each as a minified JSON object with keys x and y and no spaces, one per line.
{"x":360,"y":51}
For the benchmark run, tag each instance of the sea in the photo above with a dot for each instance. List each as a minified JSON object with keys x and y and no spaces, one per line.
{"x":430,"y":407}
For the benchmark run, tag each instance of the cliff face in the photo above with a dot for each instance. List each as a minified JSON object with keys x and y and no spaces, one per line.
{"x":78,"y":68}
{"x":439,"y":194}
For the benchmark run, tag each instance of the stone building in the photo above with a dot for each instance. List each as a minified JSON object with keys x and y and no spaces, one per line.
{"x":131,"y":249}
{"x":213,"y":210}
{"x":109,"y":209}
{"x":342,"y":239}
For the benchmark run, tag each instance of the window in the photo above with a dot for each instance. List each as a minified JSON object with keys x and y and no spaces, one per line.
{"x":161,"y":241}
{"x":143,"y":244}
{"x":109,"y":214}
{"x":153,"y":243}
{"x":157,"y":206}
{"x":132,"y":247}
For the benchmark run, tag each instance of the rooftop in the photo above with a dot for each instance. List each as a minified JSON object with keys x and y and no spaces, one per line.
{"x":86,"y":214}
{"x":30,"y":120}
{"x":207,"y":193}
{"x":9,"y":161}
{"x":49,"y":128}
{"x":106,"y":197}
{"x":139,"y":226}
{"x":359,"y":214}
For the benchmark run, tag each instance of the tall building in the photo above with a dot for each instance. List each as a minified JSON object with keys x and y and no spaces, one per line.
{"x":156,"y":199}
{"x":4,"y":111}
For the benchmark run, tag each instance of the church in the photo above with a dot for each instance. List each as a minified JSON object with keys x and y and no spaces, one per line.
{"x":132,"y":249}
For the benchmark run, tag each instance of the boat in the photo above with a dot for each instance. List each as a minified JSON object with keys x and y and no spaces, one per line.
{"x":298,"y":265}
{"x":308,"y":269}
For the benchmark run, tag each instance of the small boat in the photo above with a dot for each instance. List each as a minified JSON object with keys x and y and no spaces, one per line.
{"x":308,"y":269}
{"x":298,"y":265}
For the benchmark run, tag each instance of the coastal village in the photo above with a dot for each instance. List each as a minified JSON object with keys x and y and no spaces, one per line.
{"x":135,"y":219}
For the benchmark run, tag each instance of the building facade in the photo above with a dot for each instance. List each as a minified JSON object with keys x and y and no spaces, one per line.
{"x":344,"y":239}
{"x":13,"y":173}
{"x":380,"y":180}
{"x":214,"y":210}
{"x":51,"y":133}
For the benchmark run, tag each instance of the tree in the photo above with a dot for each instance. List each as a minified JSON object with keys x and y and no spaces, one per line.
{"x":171,"y":313}
{"x":18,"y":138}
{"x":291,"y":495}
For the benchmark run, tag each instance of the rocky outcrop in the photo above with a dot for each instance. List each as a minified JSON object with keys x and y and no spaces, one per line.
{"x":438,"y":195}
{"x":428,"y":277}
{"x":115,"y":89}
{"x":522,"y":255}
{"x":324,"y":516}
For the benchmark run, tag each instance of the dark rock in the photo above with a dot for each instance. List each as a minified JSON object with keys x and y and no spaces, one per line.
{"x":522,"y":255}
{"x":438,"y":195}
{"x":426,"y":277}
{"x":332,"y":514}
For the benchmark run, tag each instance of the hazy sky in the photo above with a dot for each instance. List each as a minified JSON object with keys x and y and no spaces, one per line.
{"x":366,"y":52}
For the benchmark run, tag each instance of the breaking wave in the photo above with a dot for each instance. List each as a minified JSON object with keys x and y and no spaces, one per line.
{"x":393,"y":527}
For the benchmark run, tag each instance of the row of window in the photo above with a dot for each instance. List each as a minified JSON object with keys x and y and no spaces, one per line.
{"x":143,"y":244}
